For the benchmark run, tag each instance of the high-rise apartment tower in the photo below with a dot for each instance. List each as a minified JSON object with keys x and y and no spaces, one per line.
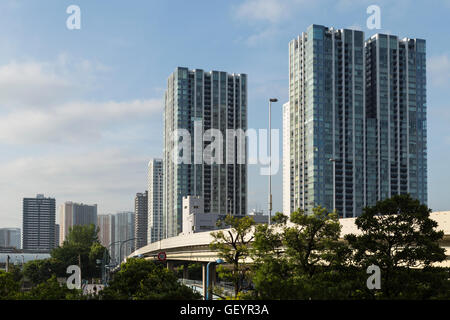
{"x":38,"y":223}
{"x":197,"y":101}
{"x":155,"y":200}
{"x":357,"y":119}
{"x":141,"y":219}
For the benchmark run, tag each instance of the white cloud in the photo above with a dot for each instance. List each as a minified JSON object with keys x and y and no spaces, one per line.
{"x":73,"y":121}
{"x":271,"y":11}
{"x":261,"y":36}
{"x":263,"y":10}
{"x":352,"y":4}
{"x":70,"y":173}
{"x":29,"y":83}
{"x":108,"y":177}
{"x":439,"y":70}
{"x":43,"y":84}
{"x":42,"y":102}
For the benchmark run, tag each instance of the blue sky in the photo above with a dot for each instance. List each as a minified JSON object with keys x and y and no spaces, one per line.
{"x":81,"y":110}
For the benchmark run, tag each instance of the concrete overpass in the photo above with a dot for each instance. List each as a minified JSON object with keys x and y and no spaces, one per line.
{"x":195,"y":247}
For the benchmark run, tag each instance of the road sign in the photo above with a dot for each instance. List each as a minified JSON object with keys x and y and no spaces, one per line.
{"x":162,"y":256}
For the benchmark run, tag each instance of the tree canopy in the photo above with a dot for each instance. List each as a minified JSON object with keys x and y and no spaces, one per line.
{"x":398,"y":235}
{"x":295,"y":261}
{"x":310,"y":260}
{"x":81,"y":247}
{"x":233,"y":246}
{"x":140,"y":279}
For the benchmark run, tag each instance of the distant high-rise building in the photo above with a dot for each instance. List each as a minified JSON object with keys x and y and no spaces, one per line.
{"x":155,"y":200}
{"x":124,"y":230}
{"x":56,"y":235}
{"x":106,"y":235}
{"x":287,"y":195}
{"x":38,"y":223}
{"x":396,"y":117}
{"x":10,"y":237}
{"x":197,"y":101}
{"x":327,"y":120}
{"x":357,"y":120}
{"x":141,"y":219}
{"x":75,"y":214}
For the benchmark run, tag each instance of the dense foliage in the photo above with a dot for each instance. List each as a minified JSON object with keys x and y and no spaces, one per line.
{"x":139,"y":279}
{"x":307,"y":259}
{"x":233,"y":247}
{"x":82,"y":248}
{"x":303,"y":256}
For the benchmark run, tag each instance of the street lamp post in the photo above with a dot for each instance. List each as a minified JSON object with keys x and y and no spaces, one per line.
{"x":270,"y":156}
{"x":105,"y":253}
{"x":120,"y":248}
{"x":218,"y":261}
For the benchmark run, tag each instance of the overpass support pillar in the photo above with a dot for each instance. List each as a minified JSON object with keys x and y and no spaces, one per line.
{"x":170,"y":265}
{"x":185,"y":271}
{"x":204,"y":279}
{"x":212,"y":278}
{"x":213,"y":274}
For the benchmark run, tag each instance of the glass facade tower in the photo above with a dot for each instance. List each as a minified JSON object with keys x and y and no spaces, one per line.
{"x":155,"y":200}
{"x":355,"y":136}
{"x":198,"y":101}
{"x":396,"y":117}
{"x":39,"y":223}
{"x":141,"y":219}
{"x":326,"y":84}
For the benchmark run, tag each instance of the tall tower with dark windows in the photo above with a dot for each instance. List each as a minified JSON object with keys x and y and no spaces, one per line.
{"x":124,"y":233}
{"x":326,"y":96}
{"x":396,"y":117}
{"x":75,"y":214}
{"x":141,"y":219}
{"x":155,"y":200}
{"x":197,"y":101}
{"x":357,"y":123}
{"x":106,"y":234}
{"x":39,"y":223}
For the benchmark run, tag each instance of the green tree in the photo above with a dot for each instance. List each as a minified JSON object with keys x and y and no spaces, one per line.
{"x":96,"y":252}
{"x":81,"y":247}
{"x":9,"y":287}
{"x":398,"y":235}
{"x":233,"y":247}
{"x":163,"y":284}
{"x":16,"y":272}
{"x":140,"y":279}
{"x":271,"y":274}
{"x":39,"y":271}
{"x":51,"y":289}
{"x":299,"y":260}
{"x":313,"y":240}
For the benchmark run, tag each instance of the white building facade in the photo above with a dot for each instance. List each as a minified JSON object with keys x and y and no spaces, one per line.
{"x":287,"y":183}
{"x":155,"y":200}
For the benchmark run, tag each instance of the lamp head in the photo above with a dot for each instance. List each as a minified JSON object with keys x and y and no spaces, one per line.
{"x":273,"y":99}
{"x":220,"y":261}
